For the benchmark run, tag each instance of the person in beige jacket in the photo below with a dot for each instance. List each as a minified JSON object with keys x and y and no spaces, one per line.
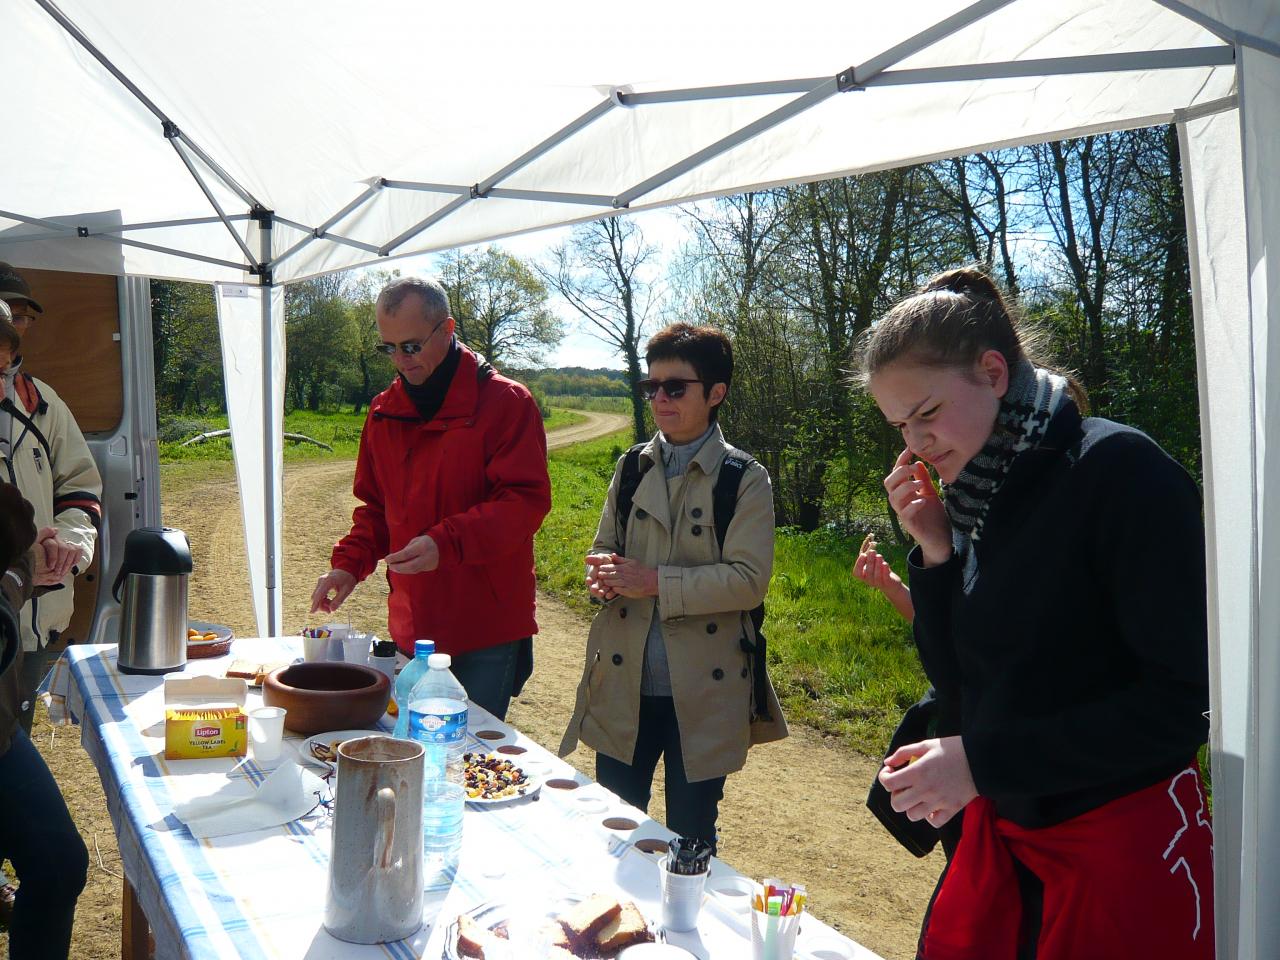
{"x":667,"y":670}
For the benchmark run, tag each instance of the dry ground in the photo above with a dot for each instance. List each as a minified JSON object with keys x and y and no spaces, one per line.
{"x":795,"y":812}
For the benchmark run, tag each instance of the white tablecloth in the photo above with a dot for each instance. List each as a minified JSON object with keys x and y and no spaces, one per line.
{"x":261,"y":894}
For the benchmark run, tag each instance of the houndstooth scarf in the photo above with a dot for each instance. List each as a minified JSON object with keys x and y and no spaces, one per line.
{"x":1033,"y":397}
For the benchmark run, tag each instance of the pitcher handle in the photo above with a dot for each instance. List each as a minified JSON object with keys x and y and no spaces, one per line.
{"x":384,"y":843}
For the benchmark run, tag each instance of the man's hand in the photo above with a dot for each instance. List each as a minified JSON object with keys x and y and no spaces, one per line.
{"x":929,"y":780}
{"x":419,"y":555}
{"x":339,"y":583}
{"x":628,"y":578}
{"x":54,"y":558}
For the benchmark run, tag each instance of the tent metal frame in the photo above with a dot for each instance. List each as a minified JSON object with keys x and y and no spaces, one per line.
{"x":808,"y":93}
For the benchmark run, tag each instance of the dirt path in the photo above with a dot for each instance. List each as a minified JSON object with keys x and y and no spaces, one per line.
{"x":796,"y":811}
{"x":596,"y":425}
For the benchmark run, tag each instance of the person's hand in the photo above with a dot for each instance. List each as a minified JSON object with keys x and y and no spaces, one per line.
{"x":331,"y":589}
{"x":873,"y":569}
{"x":929,"y":780}
{"x":628,"y":578}
{"x":17,"y":528}
{"x":594,"y":586}
{"x":419,"y":555}
{"x":54,"y":558}
{"x":919,"y":508}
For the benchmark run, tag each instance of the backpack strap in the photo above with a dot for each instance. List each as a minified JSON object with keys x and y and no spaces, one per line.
{"x":724,"y":501}
{"x":632,"y":472}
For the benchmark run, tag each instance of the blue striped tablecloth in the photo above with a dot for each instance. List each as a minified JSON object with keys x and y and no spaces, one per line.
{"x":261,"y":894}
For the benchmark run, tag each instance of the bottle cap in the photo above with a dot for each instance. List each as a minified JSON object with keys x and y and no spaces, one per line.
{"x":424,"y":648}
{"x":439,"y":661}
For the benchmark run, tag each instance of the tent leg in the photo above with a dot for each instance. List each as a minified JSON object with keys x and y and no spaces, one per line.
{"x":270,"y":430}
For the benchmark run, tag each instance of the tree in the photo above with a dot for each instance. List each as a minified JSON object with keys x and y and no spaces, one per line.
{"x":601,"y":272}
{"x":187,"y":348}
{"x":500,"y":305}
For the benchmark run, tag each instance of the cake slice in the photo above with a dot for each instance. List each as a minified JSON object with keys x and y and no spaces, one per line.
{"x":627,"y":928}
{"x":473,"y":938}
{"x":243,"y":669}
{"x":589,"y":917}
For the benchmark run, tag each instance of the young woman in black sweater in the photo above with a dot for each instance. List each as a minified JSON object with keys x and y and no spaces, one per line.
{"x":1059,"y":597}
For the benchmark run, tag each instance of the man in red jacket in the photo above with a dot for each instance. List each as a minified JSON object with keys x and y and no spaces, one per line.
{"x":452,"y":479}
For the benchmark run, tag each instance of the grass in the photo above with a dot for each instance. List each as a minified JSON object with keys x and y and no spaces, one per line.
{"x":573,"y":401}
{"x":841,"y":658}
{"x":340,"y":429}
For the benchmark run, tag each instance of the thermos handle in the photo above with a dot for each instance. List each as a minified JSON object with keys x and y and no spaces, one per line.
{"x":115,"y":588}
{"x":384,"y":844}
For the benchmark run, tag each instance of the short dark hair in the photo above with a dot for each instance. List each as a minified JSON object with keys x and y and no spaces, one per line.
{"x":435,"y":302}
{"x":706,"y":349}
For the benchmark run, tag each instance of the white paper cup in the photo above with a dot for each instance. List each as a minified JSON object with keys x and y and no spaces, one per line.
{"x":315,"y":648}
{"x":355,"y":648}
{"x":266,"y":732}
{"x":681,"y":899}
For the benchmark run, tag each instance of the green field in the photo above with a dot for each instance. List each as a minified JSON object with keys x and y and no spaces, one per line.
{"x":340,"y":430}
{"x":573,"y":401}
{"x":841,"y":658}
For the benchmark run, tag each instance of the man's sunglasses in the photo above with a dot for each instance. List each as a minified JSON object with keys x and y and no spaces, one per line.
{"x":673,"y":388}
{"x":409,"y":347}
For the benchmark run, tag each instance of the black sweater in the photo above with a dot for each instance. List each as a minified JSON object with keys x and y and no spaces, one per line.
{"x":1076,"y":670}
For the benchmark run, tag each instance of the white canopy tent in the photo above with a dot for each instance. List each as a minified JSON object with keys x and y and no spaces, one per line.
{"x":252,"y":145}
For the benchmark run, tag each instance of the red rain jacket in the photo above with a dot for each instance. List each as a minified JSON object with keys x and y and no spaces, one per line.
{"x":474,"y":478}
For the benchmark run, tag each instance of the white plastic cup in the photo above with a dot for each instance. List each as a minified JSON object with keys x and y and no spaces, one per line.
{"x":773,"y":938}
{"x":337,"y":635}
{"x":681,"y":898}
{"x":355,"y":648}
{"x":387,"y":665}
{"x":315,"y":648}
{"x":266,"y":733}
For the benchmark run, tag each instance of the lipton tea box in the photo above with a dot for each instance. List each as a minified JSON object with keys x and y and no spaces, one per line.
{"x":204,"y":717}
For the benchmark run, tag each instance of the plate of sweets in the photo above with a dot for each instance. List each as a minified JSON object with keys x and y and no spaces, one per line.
{"x":587,"y":928}
{"x":490,"y":778}
{"x":206,"y":639}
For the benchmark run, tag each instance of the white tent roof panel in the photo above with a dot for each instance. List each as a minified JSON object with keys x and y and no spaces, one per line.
{"x":304,"y":104}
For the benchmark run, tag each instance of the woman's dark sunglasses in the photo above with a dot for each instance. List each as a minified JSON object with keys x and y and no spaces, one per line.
{"x":673,"y":388}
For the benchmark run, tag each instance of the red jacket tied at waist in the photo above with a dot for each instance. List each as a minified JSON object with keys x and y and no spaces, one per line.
{"x":473,"y":478}
{"x":1132,"y":878}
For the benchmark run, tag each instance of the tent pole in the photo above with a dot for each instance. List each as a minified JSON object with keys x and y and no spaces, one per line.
{"x":269,"y":428}
{"x":81,"y":38}
{"x":204,"y":188}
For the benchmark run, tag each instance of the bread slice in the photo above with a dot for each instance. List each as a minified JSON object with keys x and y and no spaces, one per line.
{"x":243,"y":669}
{"x":628,"y":927}
{"x":585,"y":920}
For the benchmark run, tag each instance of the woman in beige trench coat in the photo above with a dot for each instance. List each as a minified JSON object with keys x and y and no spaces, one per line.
{"x":667,"y":673}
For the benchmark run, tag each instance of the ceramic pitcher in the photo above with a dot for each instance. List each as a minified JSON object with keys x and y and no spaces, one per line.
{"x":375,"y":867}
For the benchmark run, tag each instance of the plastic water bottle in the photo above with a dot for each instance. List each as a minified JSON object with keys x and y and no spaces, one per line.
{"x":409,"y":676}
{"x":442,"y":804}
{"x":438,"y":719}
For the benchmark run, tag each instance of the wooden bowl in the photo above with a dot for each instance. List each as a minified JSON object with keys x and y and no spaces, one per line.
{"x":327,"y":695}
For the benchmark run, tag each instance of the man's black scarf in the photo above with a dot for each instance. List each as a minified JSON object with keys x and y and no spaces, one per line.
{"x":428,"y":396}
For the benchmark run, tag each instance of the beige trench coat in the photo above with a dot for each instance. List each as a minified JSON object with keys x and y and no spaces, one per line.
{"x":703,"y":599}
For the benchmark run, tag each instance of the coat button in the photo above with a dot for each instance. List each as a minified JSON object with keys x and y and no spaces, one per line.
{"x":697,"y":512}
{"x":640,"y":514}
{"x":712,"y":628}
{"x":717,"y":674}
{"x":617,"y":659}
{"x":697,"y":530}
{"x":622,"y":612}
{"x":745,"y":671}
